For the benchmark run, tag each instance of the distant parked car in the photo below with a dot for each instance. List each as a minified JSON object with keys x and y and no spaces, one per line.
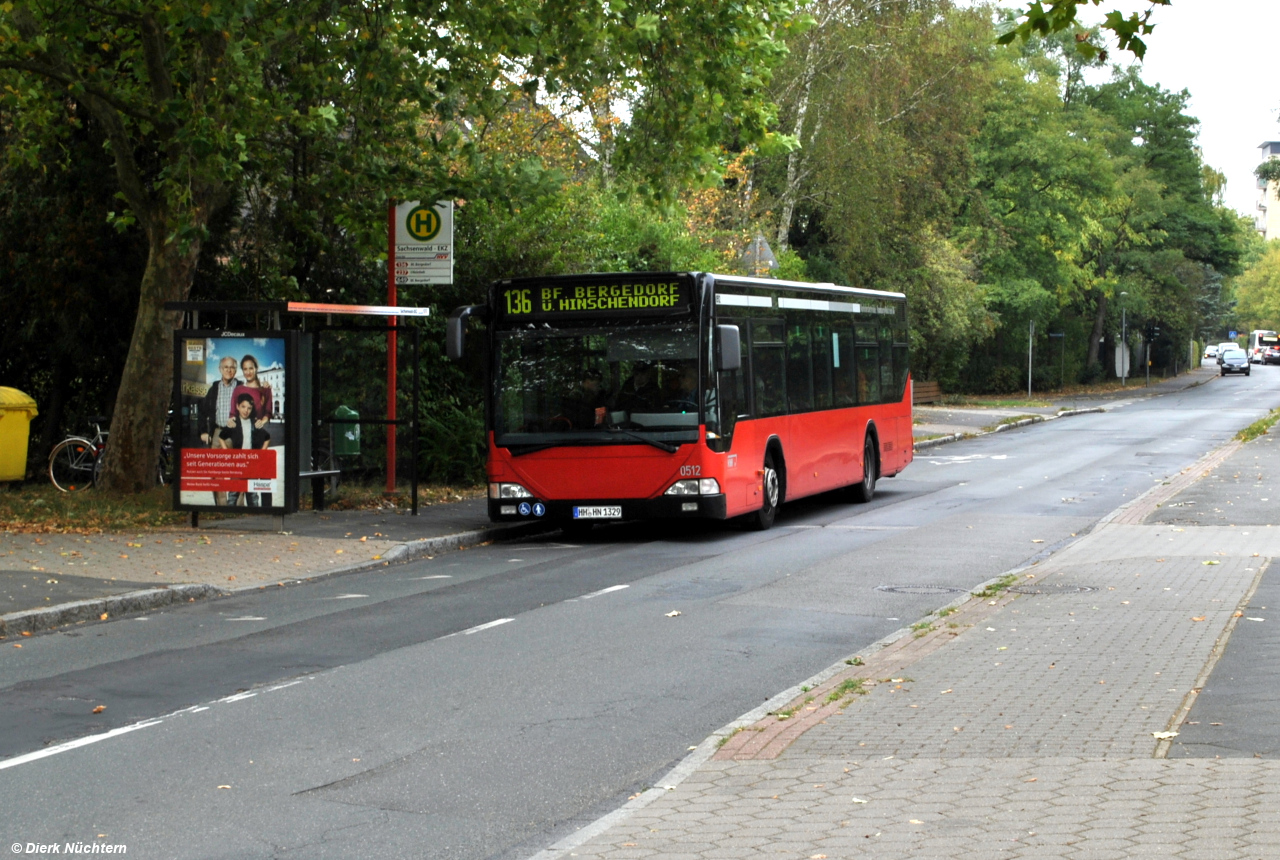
{"x":1210,"y":351}
{"x":1223,"y":347}
{"x":1271,"y":355}
{"x":1233,"y":361}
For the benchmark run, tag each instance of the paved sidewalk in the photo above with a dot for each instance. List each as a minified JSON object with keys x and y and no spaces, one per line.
{"x":47,"y":580}
{"x":1032,"y":723}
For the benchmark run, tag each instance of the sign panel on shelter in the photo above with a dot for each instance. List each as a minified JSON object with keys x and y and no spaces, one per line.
{"x":423,"y":242}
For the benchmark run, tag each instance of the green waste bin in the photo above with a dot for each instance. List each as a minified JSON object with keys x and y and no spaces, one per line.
{"x":16,"y":412}
{"x":346,"y":437}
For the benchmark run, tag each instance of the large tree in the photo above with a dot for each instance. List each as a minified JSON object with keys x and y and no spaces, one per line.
{"x":196,"y":96}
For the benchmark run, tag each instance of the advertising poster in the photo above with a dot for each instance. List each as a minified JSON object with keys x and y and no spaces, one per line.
{"x":233,"y":423}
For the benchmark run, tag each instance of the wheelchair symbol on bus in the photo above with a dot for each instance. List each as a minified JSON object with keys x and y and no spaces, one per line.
{"x":524,"y":509}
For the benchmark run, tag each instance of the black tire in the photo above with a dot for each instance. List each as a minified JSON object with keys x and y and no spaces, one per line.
{"x":771,"y":483}
{"x":865,"y":490}
{"x":71,"y":464}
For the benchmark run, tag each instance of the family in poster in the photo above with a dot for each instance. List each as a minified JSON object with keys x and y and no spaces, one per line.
{"x":233,"y":393}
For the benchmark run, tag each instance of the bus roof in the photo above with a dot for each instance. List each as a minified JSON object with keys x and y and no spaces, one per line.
{"x":774,"y":283}
{"x":745,"y":280}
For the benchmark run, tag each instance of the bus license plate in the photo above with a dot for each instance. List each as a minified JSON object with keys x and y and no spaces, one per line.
{"x":598,"y":512}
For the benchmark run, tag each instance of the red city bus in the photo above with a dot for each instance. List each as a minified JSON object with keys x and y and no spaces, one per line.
{"x":626,"y":396}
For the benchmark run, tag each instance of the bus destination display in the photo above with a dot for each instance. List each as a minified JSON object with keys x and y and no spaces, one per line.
{"x":659,"y":298}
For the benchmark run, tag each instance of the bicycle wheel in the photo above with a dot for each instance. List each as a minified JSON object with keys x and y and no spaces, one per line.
{"x":71,"y":464}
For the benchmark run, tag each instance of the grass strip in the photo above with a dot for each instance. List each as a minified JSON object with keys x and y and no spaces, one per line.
{"x":1259,"y":427}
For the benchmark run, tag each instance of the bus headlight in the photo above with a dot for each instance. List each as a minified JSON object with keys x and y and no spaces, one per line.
{"x":508,"y":491}
{"x":694,"y":487}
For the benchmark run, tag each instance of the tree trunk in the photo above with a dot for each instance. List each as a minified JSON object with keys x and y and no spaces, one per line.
{"x":1099,"y":320}
{"x":791,"y":191}
{"x":142,"y":402}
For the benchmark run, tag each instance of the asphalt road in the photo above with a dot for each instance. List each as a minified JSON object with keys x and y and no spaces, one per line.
{"x":485,"y":703}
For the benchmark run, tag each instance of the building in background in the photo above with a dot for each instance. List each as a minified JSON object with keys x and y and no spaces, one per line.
{"x":1267,"y":221}
{"x":274,"y":376}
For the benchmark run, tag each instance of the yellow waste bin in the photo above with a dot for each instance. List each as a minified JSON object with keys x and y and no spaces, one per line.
{"x":16,"y":412}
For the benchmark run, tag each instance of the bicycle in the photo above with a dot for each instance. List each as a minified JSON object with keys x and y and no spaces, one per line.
{"x":73,"y":462}
{"x":76,"y":462}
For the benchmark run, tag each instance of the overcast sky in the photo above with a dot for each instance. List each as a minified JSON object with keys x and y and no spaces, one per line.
{"x":1224,"y":53}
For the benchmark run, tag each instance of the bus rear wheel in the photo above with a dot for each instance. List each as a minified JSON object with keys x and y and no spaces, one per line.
{"x":865,"y":490}
{"x":771,"y":489}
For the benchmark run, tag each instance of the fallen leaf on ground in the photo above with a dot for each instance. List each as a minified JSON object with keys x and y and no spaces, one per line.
{"x":673,"y":613}
{"x":1237,"y":615}
{"x":944,"y":692}
{"x":224,"y":786}
{"x":1198,"y":618}
{"x":26,"y":632}
{"x":1164,"y":736}
{"x":339,"y":552}
{"x":916,"y":821}
{"x":1033,"y":540}
{"x":1033,"y":779}
{"x":1211,"y":561}
{"x":99,"y":709}
{"x":16,"y":645}
{"x":859,"y":800}
{"x":102,"y":617}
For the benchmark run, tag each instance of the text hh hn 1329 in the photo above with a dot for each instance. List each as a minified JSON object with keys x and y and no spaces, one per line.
{"x":625,"y":396}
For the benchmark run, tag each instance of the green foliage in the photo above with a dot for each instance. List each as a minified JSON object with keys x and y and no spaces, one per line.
{"x":1061,"y":16}
{"x":1257,"y":291}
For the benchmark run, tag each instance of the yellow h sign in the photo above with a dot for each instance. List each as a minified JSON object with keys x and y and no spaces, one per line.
{"x":423,"y":223}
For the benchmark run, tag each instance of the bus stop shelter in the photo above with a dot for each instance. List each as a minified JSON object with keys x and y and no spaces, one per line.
{"x":247,"y":400}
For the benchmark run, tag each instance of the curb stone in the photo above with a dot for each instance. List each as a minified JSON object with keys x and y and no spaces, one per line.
{"x":1036,"y":419}
{"x":47,"y":618}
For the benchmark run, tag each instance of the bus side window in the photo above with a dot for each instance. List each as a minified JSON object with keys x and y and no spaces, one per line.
{"x":799,"y":397}
{"x":843,"y":364}
{"x":868,"y":373}
{"x":899,"y":352}
{"x":768,"y":367}
{"x":823,"y":365}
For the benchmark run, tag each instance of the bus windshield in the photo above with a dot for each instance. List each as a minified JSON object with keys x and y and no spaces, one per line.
{"x":600,"y":385}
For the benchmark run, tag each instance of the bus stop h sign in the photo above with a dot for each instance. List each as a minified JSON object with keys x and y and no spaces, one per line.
{"x":422,"y":244}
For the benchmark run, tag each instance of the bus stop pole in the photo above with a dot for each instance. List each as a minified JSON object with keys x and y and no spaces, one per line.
{"x":391,"y":348}
{"x":413,"y":422}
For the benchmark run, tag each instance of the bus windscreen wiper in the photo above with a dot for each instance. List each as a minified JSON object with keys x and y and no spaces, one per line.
{"x":664,"y":446}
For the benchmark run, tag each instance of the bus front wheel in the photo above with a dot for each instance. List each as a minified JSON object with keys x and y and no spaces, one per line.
{"x":864,"y":490}
{"x":771,"y":489}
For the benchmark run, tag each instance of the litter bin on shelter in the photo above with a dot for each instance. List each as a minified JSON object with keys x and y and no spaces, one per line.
{"x":346,"y":437}
{"x":16,"y":412}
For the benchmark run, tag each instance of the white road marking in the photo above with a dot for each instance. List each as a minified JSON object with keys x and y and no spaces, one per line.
{"x":344,"y":597}
{"x":246,"y":618}
{"x":124,"y":730}
{"x":78,"y":742}
{"x":437,"y":576}
{"x":604,"y":591}
{"x":479,"y":627}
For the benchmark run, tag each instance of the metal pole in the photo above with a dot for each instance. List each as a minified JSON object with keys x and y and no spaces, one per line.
{"x":1031,"y":339}
{"x":413,"y":421}
{"x":391,"y":348}
{"x":1062,"y":378}
{"x":1148,"y":360}
{"x":1124,"y":350}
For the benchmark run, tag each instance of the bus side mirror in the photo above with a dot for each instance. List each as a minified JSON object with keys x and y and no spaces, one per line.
{"x":456,"y":330}
{"x":728,"y":351}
